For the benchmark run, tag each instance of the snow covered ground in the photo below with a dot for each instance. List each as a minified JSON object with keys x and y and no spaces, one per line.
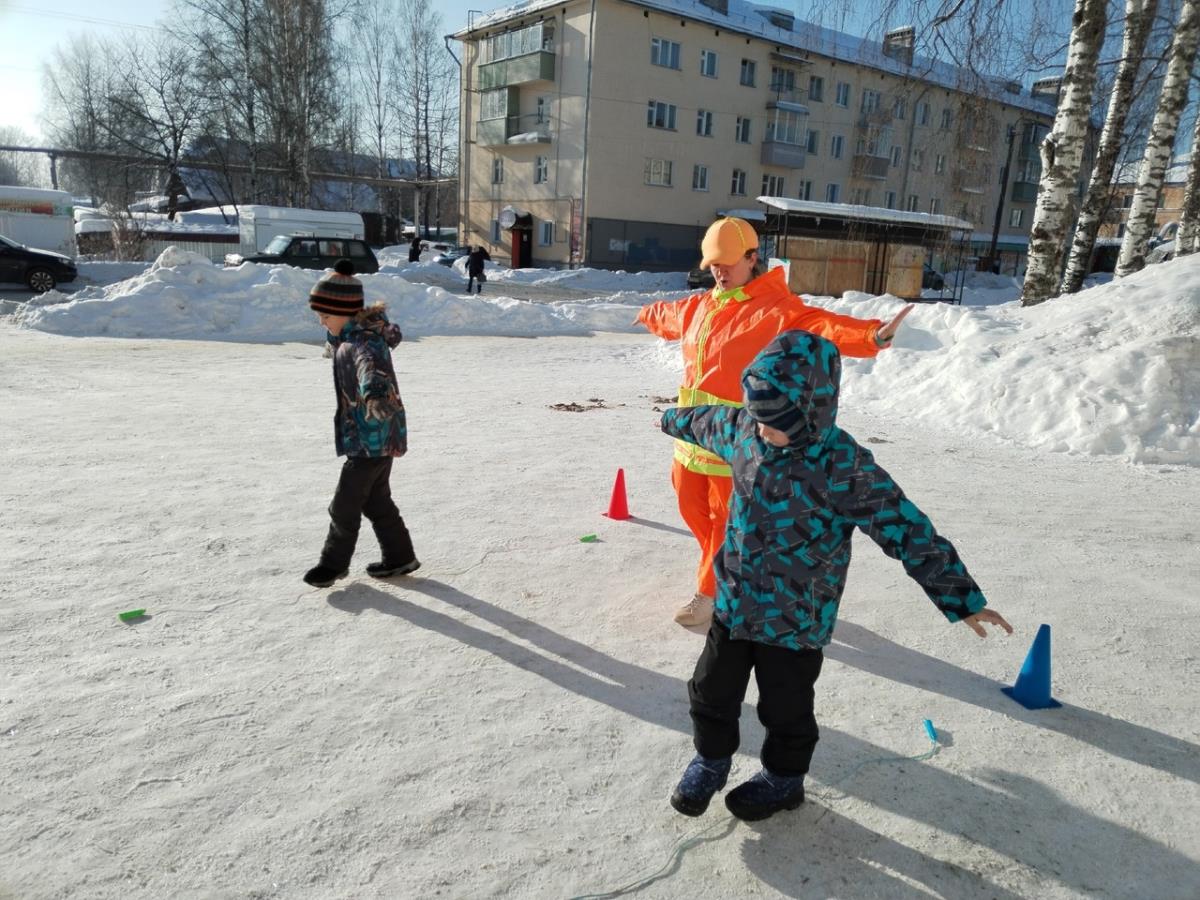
{"x":510,"y":721}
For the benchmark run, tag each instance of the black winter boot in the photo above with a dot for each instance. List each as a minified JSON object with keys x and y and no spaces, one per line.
{"x":764,"y":795}
{"x":323,"y":576}
{"x":702,"y":778}
{"x":387,"y":570}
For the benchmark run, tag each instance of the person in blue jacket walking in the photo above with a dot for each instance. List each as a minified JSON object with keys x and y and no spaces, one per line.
{"x":801,"y":486}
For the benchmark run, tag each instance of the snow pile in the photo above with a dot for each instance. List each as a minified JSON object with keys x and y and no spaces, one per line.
{"x":1111,"y":370}
{"x":184,"y":295}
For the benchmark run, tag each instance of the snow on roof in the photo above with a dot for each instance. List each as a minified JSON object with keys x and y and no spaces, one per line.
{"x":808,"y":37}
{"x":867,"y":213}
{"x":12,"y":192}
{"x":749,"y":215}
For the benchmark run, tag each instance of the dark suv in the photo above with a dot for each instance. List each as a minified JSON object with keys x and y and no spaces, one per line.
{"x":314,"y":253}
{"x":41,"y":270}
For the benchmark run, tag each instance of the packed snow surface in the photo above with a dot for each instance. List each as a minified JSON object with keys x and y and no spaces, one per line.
{"x":1112,"y":370}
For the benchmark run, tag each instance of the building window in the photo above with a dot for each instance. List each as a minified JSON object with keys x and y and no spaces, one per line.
{"x":493,"y":104}
{"x":816,"y":88}
{"x":660,"y":115}
{"x":814,"y":141}
{"x":900,"y":108}
{"x":832,"y":191}
{"x":541,"y":170}
{"x":785,"y":126}
{"x":889,"y":199}
{"x":546,"y":236}
{"x":658,"y":172}
{"x":861,"y":197}
{"x":742,"y":134}
{"x":1127,"y":201}
{"x":947,"y":118}
{"x":805,"y":192}
{"x":783,"y":81}
{"x":543,"y":111}
{"x":1015,"y":217}
{"x":738,"y":185}
{"x":495,"y":231}
{"x":699,"y":178}
{"x":749,"y":67}
{"x":914,"y":203}
{"x":870,"y":101}
{"x":772,"y":185}
{"x":664,"y":53}
{"x":939,"y":164}
{"x":708,"y":63}
{"x":1120,"y":231}
{"x":897,"y":156}
{"x":935,"y":206}
{"x":498,"y":170}
{"x":704,"y":122}
{"x":843,"y":94}
{"x":923,"y":113}
{"x":523,"y":41}
{"x":918,"y":160}
{"x":837,"y":144}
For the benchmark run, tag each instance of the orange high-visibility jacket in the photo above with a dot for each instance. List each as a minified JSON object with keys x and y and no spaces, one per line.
{"x":722,"y":336}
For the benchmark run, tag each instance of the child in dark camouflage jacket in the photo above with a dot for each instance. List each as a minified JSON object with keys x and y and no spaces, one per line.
{"x":369,"y":429}
{"x":801,"y":486}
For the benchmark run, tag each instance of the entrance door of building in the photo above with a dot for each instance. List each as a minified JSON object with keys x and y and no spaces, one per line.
{"x":522,"y":242}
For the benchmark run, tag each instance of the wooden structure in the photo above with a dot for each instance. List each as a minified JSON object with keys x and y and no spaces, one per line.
{"x":831,"y":248}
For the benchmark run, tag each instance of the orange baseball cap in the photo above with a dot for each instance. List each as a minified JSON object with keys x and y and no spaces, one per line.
{"x":727,"y":241}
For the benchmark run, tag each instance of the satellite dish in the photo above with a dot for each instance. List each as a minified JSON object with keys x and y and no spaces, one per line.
{"x":508,"y":217}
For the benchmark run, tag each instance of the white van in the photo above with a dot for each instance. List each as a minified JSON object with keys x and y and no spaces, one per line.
{"x":257,"y":225}
{"x":38,"y":218}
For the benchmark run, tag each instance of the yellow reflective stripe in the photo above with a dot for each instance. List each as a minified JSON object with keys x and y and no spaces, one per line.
{"x":697,"y":459}
{"x":723,"y":297}
{"x":689,"y":396}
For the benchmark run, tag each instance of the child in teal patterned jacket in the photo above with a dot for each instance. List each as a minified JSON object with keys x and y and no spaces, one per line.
{"x":801,"y":486}
{"x":370,"y":429}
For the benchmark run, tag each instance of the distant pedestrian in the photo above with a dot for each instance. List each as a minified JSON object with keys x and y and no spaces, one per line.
{"x":475,"y":261}
{"x":414,"y":249}
{"x":370,"y":429}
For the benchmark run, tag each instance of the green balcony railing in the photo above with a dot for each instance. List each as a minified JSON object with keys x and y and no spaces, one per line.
{"x":535,"y":66}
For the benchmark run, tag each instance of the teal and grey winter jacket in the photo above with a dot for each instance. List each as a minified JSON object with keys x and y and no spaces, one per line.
{"x":370,"y":418}
{"x":782,"y":568}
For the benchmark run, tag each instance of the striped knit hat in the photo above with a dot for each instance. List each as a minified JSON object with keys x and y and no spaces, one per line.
{"x":338,"y":293}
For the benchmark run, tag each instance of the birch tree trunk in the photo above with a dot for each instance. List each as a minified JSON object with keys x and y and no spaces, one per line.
{"x":1062,"y":153}
{"x":1139,"y":17}
{"x":1189,"y":220}
{"x":1157,"y":157}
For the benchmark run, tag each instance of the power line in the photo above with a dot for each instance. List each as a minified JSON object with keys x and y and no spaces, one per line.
{"x":90,"y":20}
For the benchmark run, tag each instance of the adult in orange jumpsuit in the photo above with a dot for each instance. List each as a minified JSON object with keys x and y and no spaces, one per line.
{"x":722,"y":330}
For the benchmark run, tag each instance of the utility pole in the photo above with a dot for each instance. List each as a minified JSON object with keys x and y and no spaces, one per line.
{"x":1012,"y":132}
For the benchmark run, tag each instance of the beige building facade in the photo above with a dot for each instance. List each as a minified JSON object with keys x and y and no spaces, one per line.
{"x":611,"y":133}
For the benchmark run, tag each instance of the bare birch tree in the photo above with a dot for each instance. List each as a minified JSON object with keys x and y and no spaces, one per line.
{"x":1157,"y":157}
{"x":1139,"y":18}
{"x":375,"y":64}
{"x":1062,"y":153}
{"x":1189,"y":219}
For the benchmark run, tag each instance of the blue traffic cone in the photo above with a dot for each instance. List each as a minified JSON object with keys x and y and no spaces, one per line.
{"x":1032,"y":689}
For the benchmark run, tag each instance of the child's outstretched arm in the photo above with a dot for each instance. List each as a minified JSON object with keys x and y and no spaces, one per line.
{"x":712,"y":427}
{"x":866,"y":495}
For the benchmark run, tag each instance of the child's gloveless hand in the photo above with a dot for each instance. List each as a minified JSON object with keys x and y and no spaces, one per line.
{"x":991,"y":617}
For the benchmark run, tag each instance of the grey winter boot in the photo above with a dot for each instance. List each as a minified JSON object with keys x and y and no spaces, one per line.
{"x":764,"y":795}
{"x":702,"y":778}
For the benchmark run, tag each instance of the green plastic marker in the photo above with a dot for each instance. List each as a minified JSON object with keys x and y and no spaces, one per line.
{"x":589,"y":539}
{"x":131,"y":614}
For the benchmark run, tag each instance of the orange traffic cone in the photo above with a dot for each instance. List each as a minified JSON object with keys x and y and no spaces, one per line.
{"x":618,"y":507}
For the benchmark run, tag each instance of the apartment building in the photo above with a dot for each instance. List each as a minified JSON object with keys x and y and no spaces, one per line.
{"x":610,"y":133}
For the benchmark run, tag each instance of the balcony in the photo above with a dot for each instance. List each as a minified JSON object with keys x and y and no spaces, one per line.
{"x":876,"y":118}
{"x":967,"y":182}
{"x":524,"y":69}
{"x":781,"y":153}
{"x":511,"y":130}
{"x":1024,"y":192}
{"x":787,"y":98}
{"x":873,"y":167}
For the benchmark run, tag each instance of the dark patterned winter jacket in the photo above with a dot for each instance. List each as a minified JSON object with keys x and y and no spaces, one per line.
{"x":782,"y":567}
{"x":370,"y":417}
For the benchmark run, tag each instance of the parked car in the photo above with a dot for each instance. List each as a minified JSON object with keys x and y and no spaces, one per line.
{"x":313,"y":253}
{"x":40,"y":270}
{"x":931,"y":279}
{"x":449,"y":256}
{"x":700,"y":278}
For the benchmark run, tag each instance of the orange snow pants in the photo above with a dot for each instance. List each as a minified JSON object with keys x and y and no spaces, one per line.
{"x":704,"y":505}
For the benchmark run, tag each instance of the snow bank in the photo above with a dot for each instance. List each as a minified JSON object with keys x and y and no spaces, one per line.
{"x":184,"y":295}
